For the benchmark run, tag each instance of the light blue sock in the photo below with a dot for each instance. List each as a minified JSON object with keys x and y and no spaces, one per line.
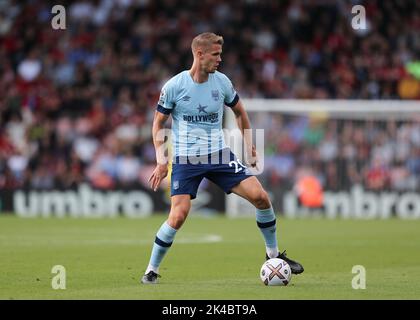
{"x":266,"y":221}
{"x":163,"y":242}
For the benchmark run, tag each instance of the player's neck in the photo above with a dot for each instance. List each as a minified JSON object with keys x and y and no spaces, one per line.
{"x":198,"y":76}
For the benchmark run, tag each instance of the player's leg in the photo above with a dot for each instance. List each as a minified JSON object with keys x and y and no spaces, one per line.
{"x":180,"y":207}
{"x":185,"y":179}
{"x":252,"y":190}
{"x":233,"y":176}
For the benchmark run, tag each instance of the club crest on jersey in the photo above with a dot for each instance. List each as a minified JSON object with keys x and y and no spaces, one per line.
{"x":215,"y":95}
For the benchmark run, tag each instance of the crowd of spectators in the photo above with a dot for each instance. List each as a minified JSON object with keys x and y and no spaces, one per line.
{"x":77,"y":104}
{"x":376,"y":154}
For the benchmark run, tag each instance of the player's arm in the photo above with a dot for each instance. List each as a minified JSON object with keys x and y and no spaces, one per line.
{"x":161,"y":170}
{"x":244,"y":125}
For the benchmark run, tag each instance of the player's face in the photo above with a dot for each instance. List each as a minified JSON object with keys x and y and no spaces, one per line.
{"x":211,"y":58}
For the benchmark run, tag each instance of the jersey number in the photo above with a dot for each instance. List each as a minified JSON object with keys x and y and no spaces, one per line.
{"x":238,"y":165}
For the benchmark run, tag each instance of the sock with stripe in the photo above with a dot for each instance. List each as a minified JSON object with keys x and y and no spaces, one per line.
{"x":266,"y":221}
{"x":163,"y":241}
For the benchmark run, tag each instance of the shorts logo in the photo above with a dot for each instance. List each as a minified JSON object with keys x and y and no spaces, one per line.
{"x":176,"y":184}
{"x":215,"y":95}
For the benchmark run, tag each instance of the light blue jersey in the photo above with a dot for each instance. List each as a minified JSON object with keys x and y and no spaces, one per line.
{"x":197,"y":112}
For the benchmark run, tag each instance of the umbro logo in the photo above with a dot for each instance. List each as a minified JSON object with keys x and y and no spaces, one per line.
{"x":186,"y":98}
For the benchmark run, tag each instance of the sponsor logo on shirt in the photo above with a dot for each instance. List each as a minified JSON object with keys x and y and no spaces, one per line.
{"x":201,"y":108}
{"x":212,"y":118}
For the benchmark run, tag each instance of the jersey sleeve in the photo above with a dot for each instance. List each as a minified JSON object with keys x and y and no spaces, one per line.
{"x":231,"y":96}
{"x":166,"y":99}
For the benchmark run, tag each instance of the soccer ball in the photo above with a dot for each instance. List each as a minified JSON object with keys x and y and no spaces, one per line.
{"x":275,"y":272}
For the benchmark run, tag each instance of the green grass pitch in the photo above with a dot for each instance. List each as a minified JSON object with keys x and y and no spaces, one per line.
{"x":212,"y":258}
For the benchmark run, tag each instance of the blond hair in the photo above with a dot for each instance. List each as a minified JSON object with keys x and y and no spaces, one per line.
{"x":205,"y":40}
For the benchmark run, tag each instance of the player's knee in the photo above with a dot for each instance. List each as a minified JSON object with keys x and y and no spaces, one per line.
{"x":176,"y":220}
{"x":261,"y":200}
{"x":177,"y":217}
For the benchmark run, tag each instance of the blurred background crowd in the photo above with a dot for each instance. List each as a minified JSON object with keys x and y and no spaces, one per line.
{"x":77,"y":105}
{"x":379,"y":155}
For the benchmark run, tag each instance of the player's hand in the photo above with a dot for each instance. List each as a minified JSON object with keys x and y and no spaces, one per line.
{"x":253,"y":159}
{"x":160,"y":172}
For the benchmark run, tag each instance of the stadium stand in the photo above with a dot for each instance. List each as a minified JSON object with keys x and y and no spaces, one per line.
{"x":76,"y":105}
